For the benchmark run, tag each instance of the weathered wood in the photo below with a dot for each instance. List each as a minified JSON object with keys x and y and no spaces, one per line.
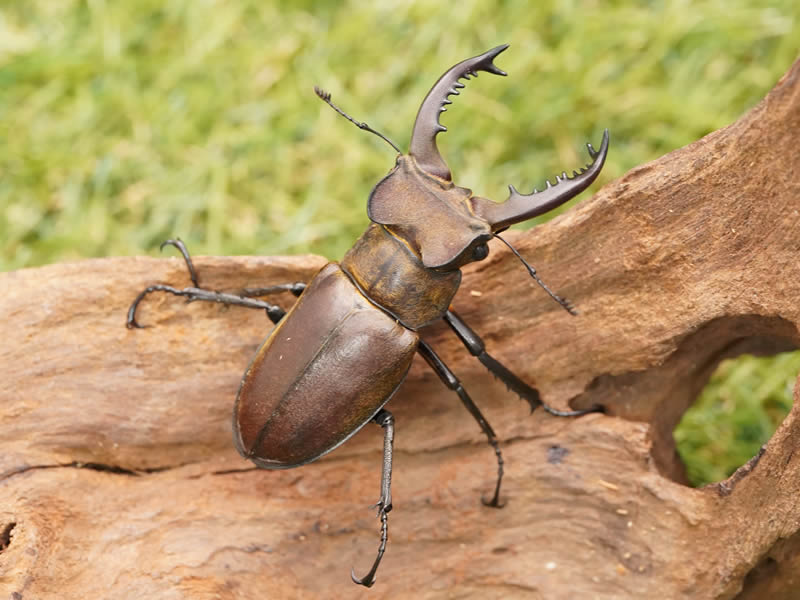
{"x":118,"y":473}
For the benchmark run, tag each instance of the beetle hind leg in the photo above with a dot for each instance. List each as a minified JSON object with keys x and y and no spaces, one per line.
{"x":476,"y":347}
{"x":452,"y":382}
{"x":385,"y":419}
{"x":245,"y":298}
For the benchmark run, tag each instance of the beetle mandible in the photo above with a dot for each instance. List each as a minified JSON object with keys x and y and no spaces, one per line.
{"x":348,"y":341}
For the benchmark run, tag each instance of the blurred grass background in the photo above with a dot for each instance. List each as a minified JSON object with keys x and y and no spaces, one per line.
{"x":125,"y":123}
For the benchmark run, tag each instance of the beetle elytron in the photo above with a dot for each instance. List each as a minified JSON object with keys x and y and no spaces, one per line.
{"x":347,"y":343}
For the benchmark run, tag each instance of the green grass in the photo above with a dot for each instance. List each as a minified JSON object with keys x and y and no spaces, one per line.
{"x":739,"y":409}
{"x":124,"y":123}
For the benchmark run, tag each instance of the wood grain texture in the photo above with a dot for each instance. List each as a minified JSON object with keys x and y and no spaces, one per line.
{"x":118,"y":477}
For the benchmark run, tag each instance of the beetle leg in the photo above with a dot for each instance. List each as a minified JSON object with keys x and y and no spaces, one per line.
{"x":385,"y":419}
{"x":451,"y":381}
{"x":178,"y":243}
{"x":192,"y":294}
{"x":295,"y":288}
{"x":476,"y":347}
{"x":195,"y":293}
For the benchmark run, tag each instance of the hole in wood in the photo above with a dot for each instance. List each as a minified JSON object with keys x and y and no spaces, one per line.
{"x":737,"y":412}
{"x":5,"y":536}
{"x":662,"y":393}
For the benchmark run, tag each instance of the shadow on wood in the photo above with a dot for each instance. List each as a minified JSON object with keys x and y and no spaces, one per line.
{"x":118,"y":477}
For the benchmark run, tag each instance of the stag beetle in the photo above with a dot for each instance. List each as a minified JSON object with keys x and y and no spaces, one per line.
{"x":340,"y":353}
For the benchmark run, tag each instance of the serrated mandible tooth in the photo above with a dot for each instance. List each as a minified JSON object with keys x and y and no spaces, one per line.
{"x":426,"y":126}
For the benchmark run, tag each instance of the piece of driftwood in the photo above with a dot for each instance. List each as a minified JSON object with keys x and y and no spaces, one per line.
{"x":118,"y":478}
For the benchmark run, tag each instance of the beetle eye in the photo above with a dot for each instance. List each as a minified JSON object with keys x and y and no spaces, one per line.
{"x":480,"y":252}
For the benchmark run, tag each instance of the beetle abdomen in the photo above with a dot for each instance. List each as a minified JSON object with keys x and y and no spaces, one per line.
{"x":331,"y":363}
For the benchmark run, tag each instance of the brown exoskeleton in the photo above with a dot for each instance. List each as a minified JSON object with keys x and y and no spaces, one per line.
{"x":337,"y":357}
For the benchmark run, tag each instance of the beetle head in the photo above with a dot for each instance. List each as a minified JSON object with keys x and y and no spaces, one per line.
{"x":443,"y":223}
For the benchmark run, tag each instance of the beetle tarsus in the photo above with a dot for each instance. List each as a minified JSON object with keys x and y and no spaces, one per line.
{"x":495,"y":501}
{"x":369,"y":579}
{"x":178,"y":243}
{"x":131,"y":322}
{"x":385,"y":419}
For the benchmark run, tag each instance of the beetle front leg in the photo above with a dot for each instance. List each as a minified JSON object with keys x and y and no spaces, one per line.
{"x":196,"y":293}
{"x":476,"y":347}
{"x":451,"y":381}
{"x":385,"y":419}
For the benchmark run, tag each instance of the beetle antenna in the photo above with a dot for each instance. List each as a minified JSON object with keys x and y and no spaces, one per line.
{"x":566,"y":304}
{"x":326,"y":98}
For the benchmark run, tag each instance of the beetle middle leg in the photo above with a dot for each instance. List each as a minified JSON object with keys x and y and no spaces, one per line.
{"x":451,"y":381}
{"x":476,"y":347}
{"x":245,"y":298}
{"x":385,"y":419}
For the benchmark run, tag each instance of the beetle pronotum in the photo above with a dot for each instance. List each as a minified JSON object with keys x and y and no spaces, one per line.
{"x":348,"y":341}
